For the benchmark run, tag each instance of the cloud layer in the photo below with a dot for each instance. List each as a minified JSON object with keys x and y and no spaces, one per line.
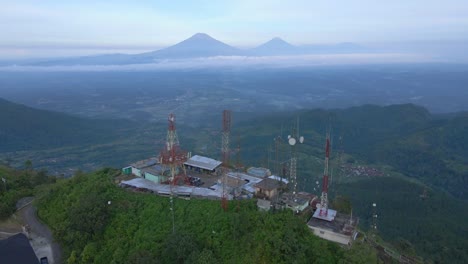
{"x":242,"y":62}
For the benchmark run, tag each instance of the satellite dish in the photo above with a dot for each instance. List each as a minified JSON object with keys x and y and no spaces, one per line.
{"x":374,"y":205}
{"x":292,"y":141}
{"x":301,"y":139}
{"x":317,"y":182}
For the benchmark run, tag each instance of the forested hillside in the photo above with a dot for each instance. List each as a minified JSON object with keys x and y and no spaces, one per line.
{"x":24,"y":128}
{"x":98,"y":222}
{"x":427,"y":147}
{"x":16,"y":184}
{"x":416,"y":152}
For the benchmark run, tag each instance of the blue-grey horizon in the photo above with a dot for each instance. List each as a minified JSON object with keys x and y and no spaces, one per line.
{"x":66,"y":28}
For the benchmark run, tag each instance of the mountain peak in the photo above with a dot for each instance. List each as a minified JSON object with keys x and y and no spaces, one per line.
{"x":198,"y":45}
{"x":278,"y":39}
{"x":278,"y":43}
{"x":275,"y":46}
{"x":201,"y":36}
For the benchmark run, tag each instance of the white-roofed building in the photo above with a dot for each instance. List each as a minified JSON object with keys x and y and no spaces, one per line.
{"x":202,"y":164}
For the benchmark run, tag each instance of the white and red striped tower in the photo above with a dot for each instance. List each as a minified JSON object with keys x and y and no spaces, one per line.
{"x":324,"y":198}
{"x":173,"y":156}
{"x":225,"y":152}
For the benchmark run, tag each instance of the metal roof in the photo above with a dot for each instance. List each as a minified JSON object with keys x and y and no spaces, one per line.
{"x":274,"y":177}
{"x":165,"y":189}
{"x":203,"y":162}
{"x":155,"y":170}
{"x":145,"y":163}
{"x":17,"y":249}
{"x":244,"y":177}
{"x":267,"y":184}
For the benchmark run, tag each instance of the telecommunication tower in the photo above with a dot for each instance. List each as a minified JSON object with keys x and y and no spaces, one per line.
{"x":374,"y":217}
{"x":293,"y":140}
{"x":225,"y":137}
{"x":173,"y":156}
{"x":324,"y":197}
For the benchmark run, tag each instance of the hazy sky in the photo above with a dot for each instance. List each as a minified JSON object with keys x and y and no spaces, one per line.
{"x":64,"y":26}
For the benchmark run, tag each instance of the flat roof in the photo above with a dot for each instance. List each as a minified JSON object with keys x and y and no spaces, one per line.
{"x":145,"y":163}
{"x":155,"y":169}
{"x":330,"y":216}
{"x":244,"y":177}
{"x":341,"y":224}
{"x":203,"y":162}
{"x":165,"y":189}
{"x":17,"y":249}
{"x":278,"y":178}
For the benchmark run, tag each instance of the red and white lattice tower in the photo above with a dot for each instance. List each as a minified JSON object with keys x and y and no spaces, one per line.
{"x":173,"y":156}
{"x":225,"y":137}
{"x":225,"y":155}
{"x":324,"y":198}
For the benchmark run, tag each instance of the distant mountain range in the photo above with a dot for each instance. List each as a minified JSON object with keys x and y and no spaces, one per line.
{"x":202,"y":45}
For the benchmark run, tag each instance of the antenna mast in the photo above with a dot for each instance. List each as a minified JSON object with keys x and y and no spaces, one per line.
{"x":324,"y":198}
{"x":225,"y":155}
{"x":292,"y":140}
{"x":172,"y":155}
{"x":225,"y":137}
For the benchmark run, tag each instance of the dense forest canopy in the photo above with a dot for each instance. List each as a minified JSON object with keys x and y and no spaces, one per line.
{"x":137,"y":228}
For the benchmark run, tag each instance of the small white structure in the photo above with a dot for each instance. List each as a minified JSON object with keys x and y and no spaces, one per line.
{"x":342,"y":229}
{"x":139,"y":165}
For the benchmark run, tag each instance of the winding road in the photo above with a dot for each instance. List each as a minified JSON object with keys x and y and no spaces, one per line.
{"x":41,"y":232}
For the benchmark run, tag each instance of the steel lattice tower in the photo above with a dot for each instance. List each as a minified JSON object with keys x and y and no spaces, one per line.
{"x":172,"y":155}
{"x":225,"y":137}
{"x":225,"y":155}
{"x":293,"y":139}
{"x":324,"y":198}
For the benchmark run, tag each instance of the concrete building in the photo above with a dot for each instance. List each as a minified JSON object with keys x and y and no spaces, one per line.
{"x":267,"y":188}
{"x":297,"y":203}
{"x":136,"y":167}
{"x":202,"y":164}
{"x":263,"y":205}
{"x":341,"y":230}
{"x":156,"y":173}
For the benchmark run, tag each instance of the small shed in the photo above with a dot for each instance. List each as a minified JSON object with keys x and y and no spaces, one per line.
{"x":267,"y":188}
{"x":263,"y":205}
